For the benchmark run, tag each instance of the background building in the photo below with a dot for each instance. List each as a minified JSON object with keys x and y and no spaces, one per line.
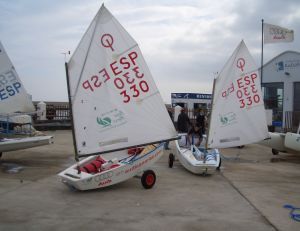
{"x":191,"y":101}
{"x":281,"y":89}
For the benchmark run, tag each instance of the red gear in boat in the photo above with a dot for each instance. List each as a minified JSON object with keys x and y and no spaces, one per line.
{"x":132,"y":151}
{"x":94,"y":166}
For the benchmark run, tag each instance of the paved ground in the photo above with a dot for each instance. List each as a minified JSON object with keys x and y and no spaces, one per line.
{"x":248,"y":194}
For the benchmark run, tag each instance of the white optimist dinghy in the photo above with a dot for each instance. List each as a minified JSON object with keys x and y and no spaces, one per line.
{"x":283,"y":142}
{"x":197,"y":160}
{"x":238,"y":114}
{"x":16,"y":131}
{"x":119,"y":118}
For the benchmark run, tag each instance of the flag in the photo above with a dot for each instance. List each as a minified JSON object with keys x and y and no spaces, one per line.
{"x":277,"y":34}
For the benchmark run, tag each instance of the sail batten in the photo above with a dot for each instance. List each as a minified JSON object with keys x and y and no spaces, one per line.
{"x":238,"y":115}
{"x":115,"y":103}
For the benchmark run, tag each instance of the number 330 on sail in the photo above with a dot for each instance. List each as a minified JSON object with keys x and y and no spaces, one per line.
{"x":247,"y":92}
{"x":126,"y":74}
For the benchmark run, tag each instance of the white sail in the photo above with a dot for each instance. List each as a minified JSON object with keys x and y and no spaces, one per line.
{"x":238,"y":115}
{"x":13,"y":96}
{"x":115,"y":101}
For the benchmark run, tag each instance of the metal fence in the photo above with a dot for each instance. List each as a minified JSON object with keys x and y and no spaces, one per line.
{"x":56,"y":112}
{"x":291,"y":121}
{"x":61,"y":112}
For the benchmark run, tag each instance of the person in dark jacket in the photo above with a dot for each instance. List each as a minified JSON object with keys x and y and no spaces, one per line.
{"x":201,"y":120}
{"x":171,"y":116}
{"x":183,"y":122}
{"x":195,"y":135}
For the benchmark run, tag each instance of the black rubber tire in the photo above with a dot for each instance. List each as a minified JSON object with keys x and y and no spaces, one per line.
{"x":275,"y":152}
{"x":219,"y":167}
{"x":242,"y":146}
{"x":148,"y":179}
{"x":171,"y":160}
{"x":0,"y":154}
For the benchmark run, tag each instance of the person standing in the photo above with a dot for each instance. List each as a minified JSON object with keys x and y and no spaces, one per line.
{"x":195,"y":135}
{"x":183,"y":122}
{"x":171,"y":116}
{"x":201,"y":120}
{"x":177,"y":110}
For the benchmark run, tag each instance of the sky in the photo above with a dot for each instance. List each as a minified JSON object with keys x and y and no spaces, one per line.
{"x":184,"y":42}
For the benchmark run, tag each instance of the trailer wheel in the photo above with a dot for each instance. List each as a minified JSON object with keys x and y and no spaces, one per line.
{"x":0,"y":154}
{"x":219,"y":167}
{"x":275,"y":152}
{"x":171,"y":160}
{"x":148,"y":179}
{"x":241,"y":146}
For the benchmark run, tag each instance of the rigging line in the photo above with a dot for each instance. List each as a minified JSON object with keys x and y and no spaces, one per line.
{"x":88,"y":51}
{"x":294,"y":215}
{"x":211,"y":113}
{"x":262,"y":52}
{"x":250,"y":203}
{"x":134,"y":146}
{"x":117,"y":25}
{"x":138,"y":156}
{"x":71,"y":116}
{"x":135,"y":45}
{"x":234,"y":54}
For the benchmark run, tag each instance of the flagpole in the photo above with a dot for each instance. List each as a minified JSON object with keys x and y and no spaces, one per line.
{"x":262,"y":52}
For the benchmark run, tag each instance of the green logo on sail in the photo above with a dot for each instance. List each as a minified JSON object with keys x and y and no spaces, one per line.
{"x":106,"y":121}
{"x":228,"y":119}
{"x":110,"y":119}
{"x":224,"y":120}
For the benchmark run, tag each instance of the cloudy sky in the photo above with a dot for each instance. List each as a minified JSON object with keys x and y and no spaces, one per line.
{"x":185,"y":42}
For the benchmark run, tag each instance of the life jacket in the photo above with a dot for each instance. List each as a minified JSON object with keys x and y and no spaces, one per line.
{"x":94,"y":166}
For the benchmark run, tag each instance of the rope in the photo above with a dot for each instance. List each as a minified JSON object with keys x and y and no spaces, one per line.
{"x":293,"y":214}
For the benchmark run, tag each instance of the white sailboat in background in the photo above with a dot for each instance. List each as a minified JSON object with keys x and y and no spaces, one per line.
{"x":15,"y":103}
{"x":283,"y":142}
{"x":196,"y":159}
{"x":119,"y":118}
{"x":238,"y":115}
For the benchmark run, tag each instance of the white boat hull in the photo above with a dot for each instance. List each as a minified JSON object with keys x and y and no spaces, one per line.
{"x":197,"y":165}
{"x":283,"y":142}
{"x":292,"y":141}
{"x":13,"y":144}
{"x":126,"y":169}
{"x":276,"y":141}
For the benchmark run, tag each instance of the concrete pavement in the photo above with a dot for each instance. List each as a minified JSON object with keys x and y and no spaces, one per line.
{"x":248,"y":194}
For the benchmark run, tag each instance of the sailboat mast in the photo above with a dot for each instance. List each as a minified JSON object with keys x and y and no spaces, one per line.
{"x":209,"y":124}
{"x":69,"y":92}
{"x":71,"y":112}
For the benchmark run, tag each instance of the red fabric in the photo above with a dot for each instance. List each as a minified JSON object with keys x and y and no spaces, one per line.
{"x":114,"y":166}
{"x":132,"y":151}
{"x":94,"y":166}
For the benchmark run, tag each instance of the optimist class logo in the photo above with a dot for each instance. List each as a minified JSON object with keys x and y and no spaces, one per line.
{"x":107,"y":41}
{"x":240,"y":63}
